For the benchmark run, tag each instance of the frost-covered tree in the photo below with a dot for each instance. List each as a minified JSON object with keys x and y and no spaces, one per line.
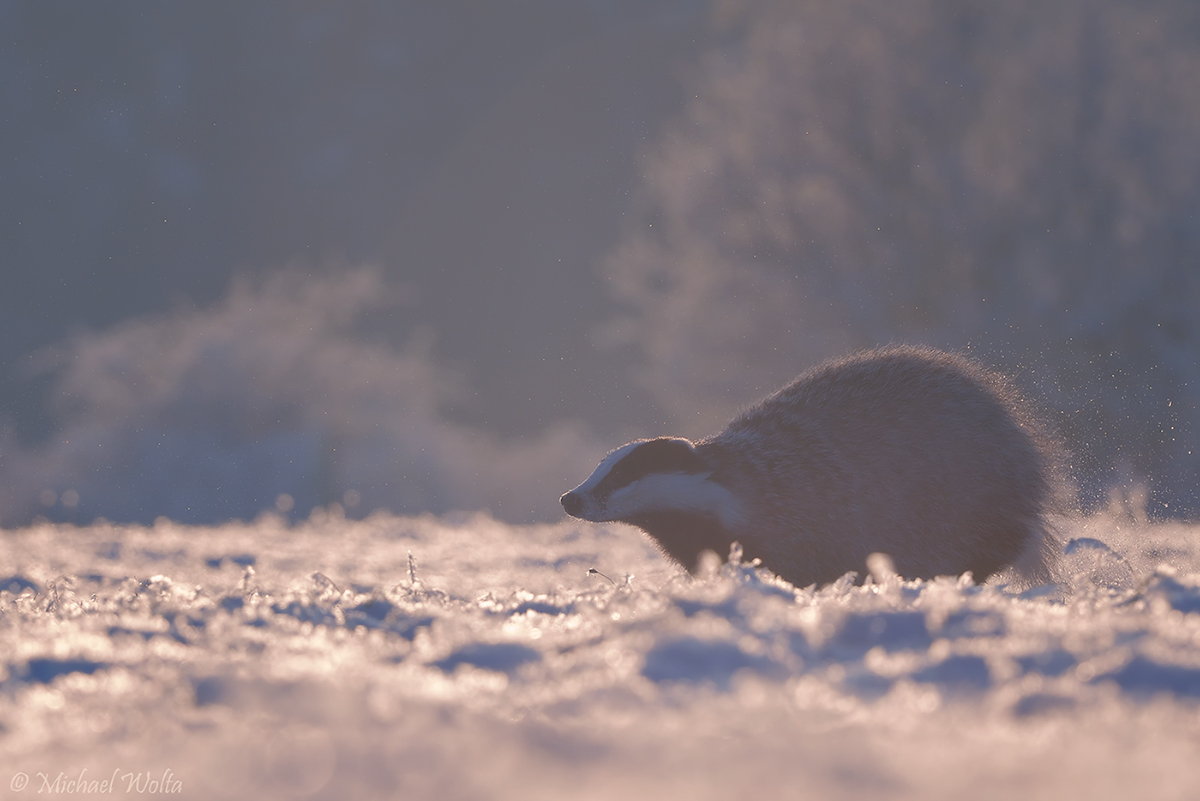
{"x":1021,"y":178}
{"x":208,"y":415}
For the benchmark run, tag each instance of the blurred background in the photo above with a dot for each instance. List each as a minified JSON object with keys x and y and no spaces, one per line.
{"x":432,"y":257}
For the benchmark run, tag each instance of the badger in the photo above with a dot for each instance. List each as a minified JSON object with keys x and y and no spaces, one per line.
{"x":919,"y":454}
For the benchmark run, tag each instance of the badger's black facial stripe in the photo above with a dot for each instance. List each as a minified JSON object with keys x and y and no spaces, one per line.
{"x":654,"y":456}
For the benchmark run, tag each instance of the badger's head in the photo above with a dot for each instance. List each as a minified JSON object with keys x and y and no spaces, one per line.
{"x":665,"y":487}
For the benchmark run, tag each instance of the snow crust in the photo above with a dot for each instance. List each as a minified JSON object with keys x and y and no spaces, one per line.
{"x":464,"y":658}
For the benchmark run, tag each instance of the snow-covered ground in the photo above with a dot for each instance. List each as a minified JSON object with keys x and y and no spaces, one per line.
{"x":463,"y":658}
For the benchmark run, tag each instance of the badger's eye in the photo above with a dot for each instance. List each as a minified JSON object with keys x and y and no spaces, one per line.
{"x":625,"y":472}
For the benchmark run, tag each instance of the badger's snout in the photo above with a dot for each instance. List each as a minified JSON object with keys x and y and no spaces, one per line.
{"x":572,"y":503}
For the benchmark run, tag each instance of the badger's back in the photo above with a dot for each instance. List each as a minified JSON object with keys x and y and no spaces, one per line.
{"x":916,"y":453}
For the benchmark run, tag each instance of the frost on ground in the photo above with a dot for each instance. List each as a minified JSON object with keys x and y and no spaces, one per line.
{"x":261,"y":660}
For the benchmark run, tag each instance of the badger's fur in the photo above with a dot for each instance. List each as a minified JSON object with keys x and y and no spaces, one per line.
{"x":915,"y":453}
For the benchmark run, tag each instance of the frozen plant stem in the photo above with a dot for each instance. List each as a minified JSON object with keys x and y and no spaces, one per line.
{"x":592,"y":570}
